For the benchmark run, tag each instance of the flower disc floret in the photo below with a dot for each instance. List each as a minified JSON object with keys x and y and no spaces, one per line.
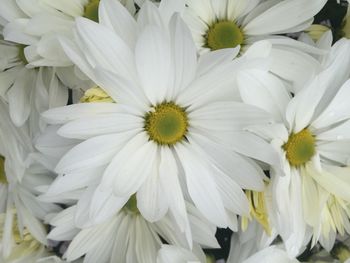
{"x":166,"y":124}
{"x":21,"y":54}
{"x":224,"y":34}
{"x":300,"y":147}
{"x":91,"y":10}
{"x":3,"y":179}
{"x":131,"y":205}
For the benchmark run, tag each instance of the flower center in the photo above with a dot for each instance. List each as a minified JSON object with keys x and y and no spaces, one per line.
{"x":166,"y":124}
{"x":224,"y":34}
{"x":131,"y":205}
{"x":3,"y":179}
{"x":21,"y":54}
{"x":300,"y":147}
{"x":91,"y":10}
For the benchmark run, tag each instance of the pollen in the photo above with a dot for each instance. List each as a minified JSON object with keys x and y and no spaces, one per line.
{"x":224,"y":34}
{"x":95,"y":94}
{"x":300,"y":147}
{"x":167,"y":123}
{"x":258,"y":210}
{"x":91,"y":10}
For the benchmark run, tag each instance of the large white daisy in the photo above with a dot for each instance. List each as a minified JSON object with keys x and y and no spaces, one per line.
{"x":217,"y":24}
{"x":311,"y":134}
{"x":127,"y":236}
{"x":170,"y":132}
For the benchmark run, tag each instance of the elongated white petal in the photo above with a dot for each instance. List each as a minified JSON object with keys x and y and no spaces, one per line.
{"x":153,"y":62}
{"x":111,"y":13}
{"x":201,"y":186}
{"x":290,"y":13}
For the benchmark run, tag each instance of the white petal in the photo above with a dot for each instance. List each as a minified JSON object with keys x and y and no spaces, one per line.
{"x":289,"y":13}
{"x":104,"y":48}
{"x":185,"y":54}
{"x":153,"y":62}
{"x":91,"y":153}
{"x":111,"y":13}
{"x":151,"y":199}
{"x":265,"y":91}
{"x":130,"y":174}
{"x":168,"y":173}
{"x":85,"y":128}
{"x":201,"y":186}
{"x":77,"y":111}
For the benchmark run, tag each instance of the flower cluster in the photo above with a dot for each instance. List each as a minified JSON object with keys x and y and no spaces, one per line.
{"x":132,"y":130}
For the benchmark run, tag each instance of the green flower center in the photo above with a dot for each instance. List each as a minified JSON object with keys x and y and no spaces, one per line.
{"x":300,"y":147}
{"x":21,"y":54}
{"x":166,"y":124}
{"x":3,"y":179}
{"x":91,"y":10}
{"x":131,"y":205}
{"x":224,"y":34}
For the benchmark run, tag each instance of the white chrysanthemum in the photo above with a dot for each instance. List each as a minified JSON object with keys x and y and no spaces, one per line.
{"x":36,"y":24}
{"x":127,"y":236}
{"x":22,"y":233}
{"x":311,"y":134}
{"x":217,"y":24}
{"x":175,"y":130}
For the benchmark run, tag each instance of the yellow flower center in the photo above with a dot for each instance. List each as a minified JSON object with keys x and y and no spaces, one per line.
{"x":131,"y":205}
{"x":91,"y":10}
{"x":3,"y":179}
{"x":224,"y":34}
{"x":166,"y":124}
{"x":258,"y":210}
{"x":21,"y":54}
{"x":300,"y":147}
{"x":96,"y":94}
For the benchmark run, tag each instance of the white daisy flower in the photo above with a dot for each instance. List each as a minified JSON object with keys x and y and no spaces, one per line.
{"x":36,"y":24}
{"x":171,"y":107}
{"x":217,"y":24}
{"x":22,"y":232}
{"x":127,"y":236}
{"x":311,"y":136}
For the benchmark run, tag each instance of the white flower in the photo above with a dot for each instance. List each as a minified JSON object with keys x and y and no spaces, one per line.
{"x":36,"y":25}
{"x":311,"y":134}
{"x":217,"y":24}
{"x":22,"y":233}
{"x":171,"y":131}
{"x":127,"y":236}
